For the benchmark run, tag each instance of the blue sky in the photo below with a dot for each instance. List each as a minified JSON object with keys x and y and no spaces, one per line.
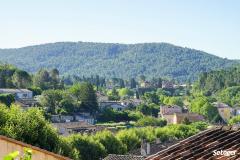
{"x":209,"y":25}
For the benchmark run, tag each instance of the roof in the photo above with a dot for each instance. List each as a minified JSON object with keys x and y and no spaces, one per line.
{"x":57,"y":156}
{"x":202,"y":145}
{"x":171,"y":106}
{"x":123,"y":157}
{"x":73,"y":125}
{"x":9,"y":90}
{"x":221,"y":105}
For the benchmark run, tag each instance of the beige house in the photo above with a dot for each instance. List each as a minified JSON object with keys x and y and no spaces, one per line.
{"x":169,"y":110}
{"x":225,"y":111}
{"x":8,"y":145}
{"x":178,"y":118}
{"x":68,"y":128}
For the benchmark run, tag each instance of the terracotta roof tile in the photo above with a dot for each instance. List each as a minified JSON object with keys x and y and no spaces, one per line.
{"x":202,"y":145}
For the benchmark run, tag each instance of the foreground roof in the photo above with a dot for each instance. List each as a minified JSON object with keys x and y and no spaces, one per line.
{"x":123,"y":157}
{"x":203,"y":146}
{"x":9,"y":145}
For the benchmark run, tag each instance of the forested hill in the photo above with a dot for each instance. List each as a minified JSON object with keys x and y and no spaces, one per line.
{"x":115,"y":60}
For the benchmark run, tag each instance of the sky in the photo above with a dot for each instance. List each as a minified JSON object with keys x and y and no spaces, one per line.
{"x":209,"y":25}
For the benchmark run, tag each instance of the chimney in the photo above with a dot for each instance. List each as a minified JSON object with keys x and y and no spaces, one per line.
{"x":148,"y":148}
{"x":143,"y":148}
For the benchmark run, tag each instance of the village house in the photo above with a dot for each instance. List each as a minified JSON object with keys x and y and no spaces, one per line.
{"x":116,"y":105}
{"x":169,"y":110}
{"x":175,"y":115}
{"x":18,"y":93}
{"x":225,"y":111}
{"x":101,"y":97}
{"x":23,"y":97}
{"x":145,"y":84}
{"x":68,"y":128}
{"x":167,"y":85}
{"x":191,"y":117}
{"x":86,"y":117}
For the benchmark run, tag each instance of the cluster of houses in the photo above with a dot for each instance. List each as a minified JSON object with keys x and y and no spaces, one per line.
{"x":72,"y":123}
{"x":225,"y":111}
{"x":175,"y":114}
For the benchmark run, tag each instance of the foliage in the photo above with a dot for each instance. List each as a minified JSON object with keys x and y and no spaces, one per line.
{"x":109,"y":114}
{"x":27,"y":155}
{"x":11,"y":77}
{"x":7,"y":99}
{"x":203,"y":106}
{"x":129,"y":138}
{"x":110,"y":142}
{"x":148,"y":109}
{"x":211,"y":82}
{"x":36,"y":90}
{"x":88,"y":148}
{"x":150,"y":121}
{"x":45,"y":79}
{"x":172,"y":101}
{"x":151,"y":97}
{"x":234,"y":120}
{"x":113,"y":95}
{"x":125,"y":92}
{"x":230,"y":95}
{"x":85,"y":95}
{"x":115,"y":60}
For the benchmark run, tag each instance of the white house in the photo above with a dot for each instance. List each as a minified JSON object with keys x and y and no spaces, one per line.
{"x":112,"y":104}
{"x":18,"y":93}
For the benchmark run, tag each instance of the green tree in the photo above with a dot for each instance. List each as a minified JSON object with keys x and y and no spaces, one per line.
{"x":125,"y":92}
{"x":150,"y":121}
{"x":51,"y":99}
{"x":234,"y":120}
{"x":88,"y":148}
{"x":110,"y":142}
{"x":21,"y":79}
{"x":85,"y":95}
{"x":7,"y":99}
{"x":133,"y":83}
{"x":202,"y":106}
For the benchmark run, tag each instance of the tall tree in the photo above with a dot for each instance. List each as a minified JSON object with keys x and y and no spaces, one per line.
{"x":21,"y":79}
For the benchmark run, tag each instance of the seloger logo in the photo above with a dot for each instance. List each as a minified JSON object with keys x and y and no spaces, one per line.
{"x":223,"y":153}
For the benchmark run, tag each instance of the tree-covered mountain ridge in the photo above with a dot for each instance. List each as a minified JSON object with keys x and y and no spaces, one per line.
{"x":116,"y":60}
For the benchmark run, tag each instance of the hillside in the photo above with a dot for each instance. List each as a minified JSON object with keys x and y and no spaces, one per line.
{"x":115,"y":60}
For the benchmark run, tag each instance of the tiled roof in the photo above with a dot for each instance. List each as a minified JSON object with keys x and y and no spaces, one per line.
{"x":202,"y":145}
{"x":123,"y":157}
{"x":72,"y":125}
{"x":9,"y":90}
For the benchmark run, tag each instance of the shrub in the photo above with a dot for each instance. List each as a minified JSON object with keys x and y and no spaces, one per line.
{"x":151,"y":121}
{"x":110,"y":142}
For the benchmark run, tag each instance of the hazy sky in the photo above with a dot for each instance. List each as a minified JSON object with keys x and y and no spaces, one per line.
{"x":209,"y":25}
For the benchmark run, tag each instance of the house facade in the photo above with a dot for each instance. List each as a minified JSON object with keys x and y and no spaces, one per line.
{"x":18,"y":93}
{"x":225,"y":111}
{"x":68,"y":128}
{"x":116,"y":105}
{"x":169,"y":110}
{"x":178,"y":118}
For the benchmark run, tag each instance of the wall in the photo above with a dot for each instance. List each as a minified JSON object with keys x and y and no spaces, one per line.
{"x":8,"y":145}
